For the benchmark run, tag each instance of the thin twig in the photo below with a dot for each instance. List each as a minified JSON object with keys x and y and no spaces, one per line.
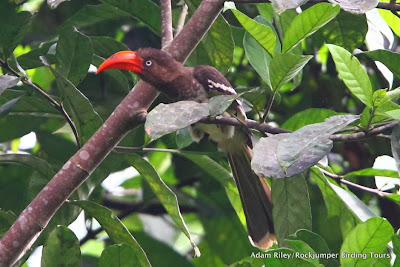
{"x":53,"y":102}
{"x":341,"y":179}
{"x":268,"y":106}
{"x":166,"y":23}
{"x":181,"y":19}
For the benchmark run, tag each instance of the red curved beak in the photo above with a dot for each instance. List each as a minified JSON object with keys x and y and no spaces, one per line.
{"x":124,"y":60}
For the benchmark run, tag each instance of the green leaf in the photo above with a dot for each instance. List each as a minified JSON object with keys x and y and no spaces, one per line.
{"x":85,"y":119}
{"x":372,"y":172}
{"x":167,"y":198}
{"x":302,"y":248}
{"x":341,"y":31}
{"x":183,"y":138}
{"x":370,"y":237}
{"x":291,"y":206}
{"x":396,"y":247}
{"x":357,"y":207}
{"x":117,"y":256}
{"x":352,"y":74}
{"x":388,"y":58}
{"x":262,"y":33}
{"x":317,"y":243}
{"x":308,"y":116}
{"x":308,"y":22}
{"x":114,"y":228}
{"x":73,"y":55}
{"x":105,"y":46}
{"x":31,"y":60}
{"x":150,"y":15}
{"x":6,"y":220}
{"x":31,"y":161}
{"x":392,"y":20}
{"x":284,"y":67}
{"x":303,"y":148}
{"x":62,"y":246}
{"x":7,"y":81}
{"x":219,"y":46}
{"x":285,"y":257}
{"x":395,"y":144}
{"x":91,"y":15}
{"x":223,"y":176}
{"x":165,"y":119}
{"x":258,"y":57}
{"x":17,"y":26}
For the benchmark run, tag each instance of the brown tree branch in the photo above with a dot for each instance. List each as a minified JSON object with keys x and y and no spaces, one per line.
{"x":127,"y":115}
{"x":166,"y":23}
{"x":54,"y":103}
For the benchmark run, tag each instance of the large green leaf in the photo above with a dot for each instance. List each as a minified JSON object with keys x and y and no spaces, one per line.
{"x":149,"y":15}
{"x":92,"y":14}
{"x":369,"y":238}
{"x":31,"y":161}
{"x":392,"y":20}
{"x":167,"y":198}
{"x":303,"y":148}
{"x":284,"y":67}
{"x":341,"y":31}
{"x":317,"y":243}
{"x":388,"y":58}
{"x":396,"y":247}
{"x":291,"y":206}
{"x":262,"y":33}
{"x":85,"y":119}
{"x":74,"y":54}
{"x":114,"y":228}
{"x":218,"y":43}
{"x":32,"y":60}
{"x":308,"y":116}
{"x":352,"y":74}
{"x":258,"y":57}
{"x":285,"y":257}
{"x":117,"y":256}
{"x":6,"y":220}
{"x":30,"y":113}
{"x":355,"y":205}
{"x":14,"y":27}
{"x":308,"y":22}
{"x":62,"y":246}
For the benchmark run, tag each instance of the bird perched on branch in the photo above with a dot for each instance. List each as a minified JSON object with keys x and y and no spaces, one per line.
{"x":178,"y":83}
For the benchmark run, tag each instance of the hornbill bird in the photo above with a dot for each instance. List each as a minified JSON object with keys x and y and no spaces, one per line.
{"x":179,"y":82}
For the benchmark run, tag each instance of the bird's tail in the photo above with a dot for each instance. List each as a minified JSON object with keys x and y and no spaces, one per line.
{"x":255,"y":195}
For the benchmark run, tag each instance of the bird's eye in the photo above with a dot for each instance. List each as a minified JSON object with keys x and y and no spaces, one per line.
{"x":148,"y":63}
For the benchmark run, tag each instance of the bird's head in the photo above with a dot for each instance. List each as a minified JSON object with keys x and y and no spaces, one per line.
{"x":152,"y":65}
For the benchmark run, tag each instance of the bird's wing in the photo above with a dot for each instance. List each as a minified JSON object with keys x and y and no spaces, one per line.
{"x":216,"y":84}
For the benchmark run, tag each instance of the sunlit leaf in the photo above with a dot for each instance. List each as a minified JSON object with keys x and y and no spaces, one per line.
{"x":370,"y":237}
{"x":284,"y":67}
{"x":352,"y":74}
{"x":357,"y":6}
{"x":262,"y":33}
{"x":308,"y":22}
{"x":388,"y":58}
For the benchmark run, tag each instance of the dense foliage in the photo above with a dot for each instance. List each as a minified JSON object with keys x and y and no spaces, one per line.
{"x":324,"y":80}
